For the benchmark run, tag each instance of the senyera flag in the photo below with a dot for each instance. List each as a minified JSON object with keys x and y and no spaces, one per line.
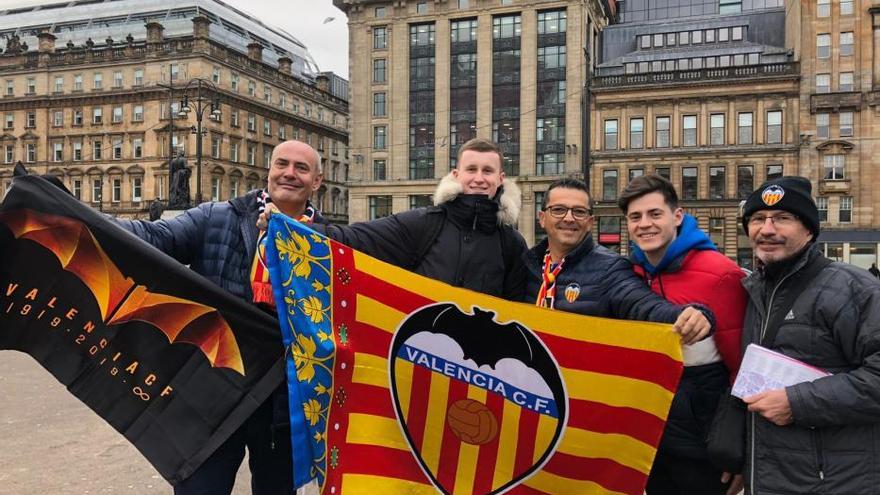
{"x":167,"y":358}
{"x":402,"y":384}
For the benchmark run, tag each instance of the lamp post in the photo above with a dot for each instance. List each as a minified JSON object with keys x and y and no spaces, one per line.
{"x":201,"y":102}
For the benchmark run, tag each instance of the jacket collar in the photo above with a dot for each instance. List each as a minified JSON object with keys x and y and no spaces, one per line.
{"x":536,"y":254}
{"x":688,"y":238}
{"x":508,"y":199}
{"x":760,"y":276}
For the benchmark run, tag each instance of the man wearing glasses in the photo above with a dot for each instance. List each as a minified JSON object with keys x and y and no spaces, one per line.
{"x":569,"y":272}
{"x":820,"y":436}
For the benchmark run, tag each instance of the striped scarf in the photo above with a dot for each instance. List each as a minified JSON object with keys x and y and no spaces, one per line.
{"x":547,"y":294}
{"x":260,"y":284}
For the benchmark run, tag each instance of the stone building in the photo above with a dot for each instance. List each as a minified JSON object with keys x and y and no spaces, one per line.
{"x":430,"y":74}
{"x":90,"y":91}
{"x":708,"y":99}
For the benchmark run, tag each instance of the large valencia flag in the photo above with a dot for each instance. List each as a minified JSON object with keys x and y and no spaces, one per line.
{"x":169,"y":359}
{"x":401,"y":384}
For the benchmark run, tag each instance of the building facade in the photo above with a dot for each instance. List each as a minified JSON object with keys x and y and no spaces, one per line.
{"x":429,"y":75}
{"x":711,"y":102}
{"x":91,"y":93}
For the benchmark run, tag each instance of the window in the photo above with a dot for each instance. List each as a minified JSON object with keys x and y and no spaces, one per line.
{"x":422,"y":8}
{"x":464,"y":4}
{"x":252,"y":89}
{"x":723,"y":34}
{"x":716,"y":128}
{"x":689,"y":183}
{"x":30,"y":120}
{"x":661,"y":139}
{"x":637,"y":133}
{"x":823,"y":8}
{"x":215,"y":146}
{"x":31,"y":86}
{"x":645,"y":42}
{"x":379,"y":11}
{"x":9,"y":154}
{"x":822,"y":206}
{"x":378,"y":104}
{"x":137,"y":113}
{"x":97,"y":190}
{"x":635,"y":172}
{"x":267,"y":127}
{"x":846,"y":7}
{"x":117,"y":148}
{"x":251,"y":154}
{"x":663,"y":172}
{"x":233,"y":188}
{"x":175,"y":71}
{"x":846,"y":124}
{"x":10,"y":87}
{"x":744,"y":127}
{"x":215,"y":75}
{"x":307,"y":108}
{"x":689,"y":130}
{"x":846,"y":43}
{"x":252,"y":123}
{"x":117,"y":79}
{"x":31,"y":152}
{"x":117,"y":115}
{"x":774,"y":127}
{"x":380,"y":206}
{"x":716,"y":233}
{"x":59,"y":84}
{"x":611,"y":134}
{"x":823,"y":125}
{"x":834,"y":167}
{"x":550,"y":163}
{"x":76,"y":188}
{"x":57,"y":152}
{"x":845,"y":81}
{"x":609,"y":185}
{"x":116,"y":190}
{"x":97,"y":115}
{"x":233,"y":118}
{"x":136,"y":189}
{"x":58,"y":118}
{"x":551,"y":57}
{"x":609,"y":232}
{"x":378,"y":169}
{"x":77,"y":82}
{"x":379,"y":137}
{"x":282,"y":132}
{"x":823,"y":45}
{"x":9,"y":123}
{"x":380,"y":38}
{"x":379,"y":70}
{"x":736,"y":33}
{"x":233,"y":82}
{"x":845,"y":212}
{"x":77,"y":151}
{"x":215,"y":188}
{"x":77,"y":117}
{"x":137,"y":148}
{"x":267,"y":156}
{"x":267,"y":94}
{"x":282,"y":101}
{"x":745,"y":181}
{"x":139,"y":77}
{"x":717,"y":182}
{"x":98,"y":81}
{"x":774,"y":172}
{"x":553,"y":21}
{"x":233,"y":151}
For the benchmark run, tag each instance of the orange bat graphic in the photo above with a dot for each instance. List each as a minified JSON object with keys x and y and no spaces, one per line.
{"x":118,"y":297}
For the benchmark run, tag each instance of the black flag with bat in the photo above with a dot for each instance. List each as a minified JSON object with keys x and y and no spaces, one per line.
{"x":170,"y":360}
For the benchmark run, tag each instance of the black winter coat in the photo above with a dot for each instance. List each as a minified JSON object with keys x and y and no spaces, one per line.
{"x":608,"y":285}
{"x":833,"y":446}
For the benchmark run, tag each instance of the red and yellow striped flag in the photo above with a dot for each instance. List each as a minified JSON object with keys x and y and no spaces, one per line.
{"x":408,"y":385}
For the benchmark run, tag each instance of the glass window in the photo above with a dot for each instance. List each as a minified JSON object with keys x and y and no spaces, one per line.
{"x":380,"y":38}
{"x":380,"y":206}
{"x":736,"y":33}
{"x":689,"y":183}
{"x":379,"y":11}
{"x":774,"y":172}
{"x":683,"y":38}
{"x":635,"y":172}
{"x":58,"y":118}
{"x":863,"y":254}
{"x":710,"y":35}
{"x":379,"y":137}
{"x":689,"y":130}
{"x":696,"y":37}
{"x":117,"y":79}
{"x":846,"y":7}
{"x":379,"y":70}
{"x":663,"y":172}
{"x":846,"y":43}
{"x":636,"y":133}
{"x":551,"y":57}
{"x":744,"y":128}
{"x":822,"y":206}
{"x":509,"y":26}
{"x":553,"y":21}
{"x":378,"y":104}
{"x":97,"y":115}
{"x":57,"y":152}
{"x":658,"y":40}
{"x":774,"y":127}
{"x":716,"y":128}
{"x":645,"y":41}
{"x":611,"y":134}
{"x":378,"y":169}
{"x":823,"y":125}
{"x":422,"y":8}
{"x":609,"y":184}
{"x":609,"y":232}
{"x":716,"y":233}
{"x":834,"y":167}
{"x":823,"y":8}
{"x":846,"y":124}
{"x":717,"y":182}
{"x":723,"y":34}
{"x":137,"y":113}
{"x":662,"y":133}
{"x":540,"y":235}
{"x":59,"y":84}
{"x":550,"y":163}
{"x":845,"y":212}
{"x":98,"y":80}
{"x":745,"y":181}
{"x":31,"y":85}
{"x":845,"y":81}
{"x":117,"y":115}
{"x":139,"y":77}
{"x":463,"y":31}
{"x":823,"y":45}
{"x":670,"y":39}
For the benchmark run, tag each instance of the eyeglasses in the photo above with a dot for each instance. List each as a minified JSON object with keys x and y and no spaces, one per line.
{"x":559,"y":211}
{"x":778,"y":220}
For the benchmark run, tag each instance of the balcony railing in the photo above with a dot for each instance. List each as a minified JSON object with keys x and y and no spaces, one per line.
{"x":697,"y":75}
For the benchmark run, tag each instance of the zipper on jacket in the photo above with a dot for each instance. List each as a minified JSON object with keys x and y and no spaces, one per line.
{"x":820,"y":458}
{"x":754,"y":417}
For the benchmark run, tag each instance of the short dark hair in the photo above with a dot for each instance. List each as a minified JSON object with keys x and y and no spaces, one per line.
{"x":647,"y":184}
{"x":568,"y":183}
{"x":481,"y":145}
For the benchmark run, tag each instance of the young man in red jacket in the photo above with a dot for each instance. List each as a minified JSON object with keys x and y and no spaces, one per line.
{"x":678,"y":261}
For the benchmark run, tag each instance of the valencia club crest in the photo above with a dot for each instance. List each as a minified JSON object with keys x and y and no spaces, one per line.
{"x":481,"y":403}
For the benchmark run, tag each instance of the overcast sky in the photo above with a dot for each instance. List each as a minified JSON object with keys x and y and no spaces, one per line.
{"x":304,"y":19}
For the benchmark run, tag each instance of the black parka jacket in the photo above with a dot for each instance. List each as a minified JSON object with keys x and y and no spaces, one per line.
{"x":833,"y":446}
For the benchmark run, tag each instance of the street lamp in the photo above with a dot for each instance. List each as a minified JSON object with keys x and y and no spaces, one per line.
{"x":210,"y":102}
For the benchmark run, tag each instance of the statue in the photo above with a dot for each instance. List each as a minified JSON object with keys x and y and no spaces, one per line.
{"x":178,"y":197}
{"x":156,"y":209}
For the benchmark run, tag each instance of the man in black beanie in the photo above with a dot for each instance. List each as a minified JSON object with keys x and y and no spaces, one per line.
{"x":826,"y":314}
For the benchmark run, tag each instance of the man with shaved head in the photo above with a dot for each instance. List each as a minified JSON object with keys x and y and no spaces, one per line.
{"x":220,"y":241}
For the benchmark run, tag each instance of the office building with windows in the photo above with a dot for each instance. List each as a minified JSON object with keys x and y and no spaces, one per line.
{"x":428,"y":75}
{"x":90,"y":92}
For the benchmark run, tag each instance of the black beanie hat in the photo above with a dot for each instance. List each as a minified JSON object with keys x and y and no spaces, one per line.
{"x":791,"y":194}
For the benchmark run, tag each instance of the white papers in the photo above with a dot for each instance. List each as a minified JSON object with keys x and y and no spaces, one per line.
{"x":763,"y":369}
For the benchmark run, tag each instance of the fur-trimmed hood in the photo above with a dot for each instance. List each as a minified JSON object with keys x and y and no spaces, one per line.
{"x":509,"y":203}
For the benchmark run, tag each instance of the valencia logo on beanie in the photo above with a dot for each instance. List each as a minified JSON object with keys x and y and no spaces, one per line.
{"x":772,"y":195}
